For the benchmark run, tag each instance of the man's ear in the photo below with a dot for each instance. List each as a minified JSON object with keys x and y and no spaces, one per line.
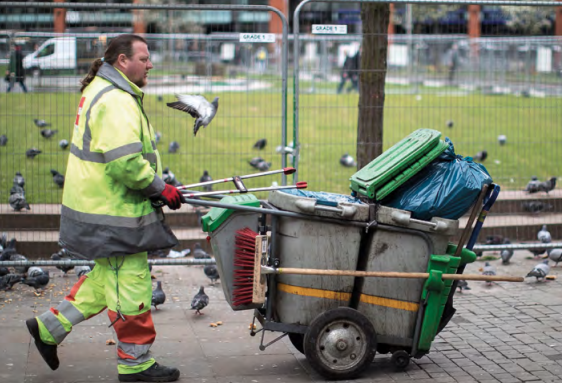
{"x":122,"y":59}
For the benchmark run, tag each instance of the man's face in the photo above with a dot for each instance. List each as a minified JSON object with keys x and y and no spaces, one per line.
{"x":136,"y":68}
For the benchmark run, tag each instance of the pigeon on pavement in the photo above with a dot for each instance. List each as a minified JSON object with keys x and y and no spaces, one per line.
{"x":48,"y":133}
{"x":10,"y":254}
{"x":200,"y":301}
{"x":58,"y":178}
{"x":32,"y":152}
{"x":158,"y":295}
{"x":555,"y":255}
{"x":540,"y":271}
{"x":463,"y":285}
{"x":82,"y":270}
{"x":206,"y":178}
{"x":41,"y":123}
{"x":506,"y":254}
{"x":63,"y":144}
{"x":36,"y":278}
{"x":532,"y":185}
{"x":62,"y":255}
{"x":3,"y":140}
{"x":536,"y":206}
{"x":547,"y":185}
{"x":489,"y":270}
{"x":198,"y":107}
{"x":173,"y":147}
{"x":260,"y":144}
{"x":347,"y":161}
{"x":212,"y":273}
{"x":544,"y":235}
{"x":199,"y":253}
{"x":19,"y":180}
{"x":9,"y":280}
{"x":17,"y":198}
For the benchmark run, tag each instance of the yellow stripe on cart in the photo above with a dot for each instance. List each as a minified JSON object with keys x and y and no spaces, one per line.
{"x":341,"y":296}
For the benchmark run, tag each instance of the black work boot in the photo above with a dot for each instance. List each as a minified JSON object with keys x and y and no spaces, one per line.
{"x":156,"y":373}
{"x":47,"y":351}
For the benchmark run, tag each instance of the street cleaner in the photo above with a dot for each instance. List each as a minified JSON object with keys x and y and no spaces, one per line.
{"x":113,"y":176}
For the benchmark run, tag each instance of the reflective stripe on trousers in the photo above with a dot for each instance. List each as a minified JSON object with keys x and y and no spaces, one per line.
{"x":96,"y":291}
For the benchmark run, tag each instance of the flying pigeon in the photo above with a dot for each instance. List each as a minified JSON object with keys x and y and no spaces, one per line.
{"x":555,"y":255}
{"x":31,"y":153}
{"x":63,"y":144}
{"x":82,"y":270}
{"x":536,"y":206}
{"x":450,"y":124}
{"x":489,"y":270}
{"x":347,"y":161}
{"x":540,"y":271}
{"x":544,"y":235}
{"x":17,"y":198}
{"x":199,"y":253}
{"x":206,"y":178}
{"x":463,"y":285}
{"x":198,"y":107}
{"x":9,"y":280}
{"x":212,"y":273}
{"x":200,"y":301}
{"x":10,"y":254}
{"x":173,"y":147}
{"x":260,"y":144}
{"x":3,"y":140}
{"x":62,"y":255}
{"x":36,"y":278}
{"x":158,"y":295}
{"x":480,"y":156}
{"x":506,"y":254}
{"x":41,"y":123}
{"x":19,"y":180}
{"x":502,"y":139}
{"x":57,"y":178}
{"x":547,"y":185}
{"x":48,"y":133}
{"x":533,"y":185}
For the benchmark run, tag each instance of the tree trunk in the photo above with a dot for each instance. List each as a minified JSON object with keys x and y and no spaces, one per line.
{"x":375,"y":18}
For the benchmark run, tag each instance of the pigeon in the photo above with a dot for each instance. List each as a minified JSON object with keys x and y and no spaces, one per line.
{"x":263,"y":166}
{"x":450,"y":124}
{"x":9,"y":280}
{"x":170,"y":178}
{"x":4,"y":271}
{"x":540,"y":271}
{"x":3,"y":140}
{"x":17,"y":198}
{"x":212,"y":273}
{"x":489,"y":270}
{"x":536,"y":206}
{"x":198,"y":107}
{"x":19,"y":180}
{"x":173,"y":147}
{"x":347,"y":161}
{"x":57,"y":178}
{"x":206,"y":178}
{"x":544,"y":235}
{"x":533,"y":185}
{"x":463,"y":285}
{"x":82,"y":270}
{"x":494,"y":240}
{"x":547,"y":185}
{"x":502,"y":139}
{"x":506,"y":254}
{"x":160,"y":98}
{"x":63,"y":144}
{"x":157,"y":136}
{"x":41,"y":123}
{"x":158,"y":295}
{"x":260,"y":144}
{"x":480,"y":156}
{"x":555,"y":255}
{"x":255,"y":161}
{"x":31,"y":153}
{"x":36,"y":278}
{"x":200,"y":301}
{"x":10,"y":254}
{"x":62,"y":255}
{"x":48,"y":133}
{"x":199,"y":253}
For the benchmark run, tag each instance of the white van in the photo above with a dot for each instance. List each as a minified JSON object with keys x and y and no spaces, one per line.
{"x":63,"y":53}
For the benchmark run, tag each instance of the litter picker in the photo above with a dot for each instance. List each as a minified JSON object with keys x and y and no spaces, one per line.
{"x":236,"y":179}
{"x":190,"y":194}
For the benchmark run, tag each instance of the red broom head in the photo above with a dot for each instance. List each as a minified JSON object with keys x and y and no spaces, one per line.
{"x":244,"y":262}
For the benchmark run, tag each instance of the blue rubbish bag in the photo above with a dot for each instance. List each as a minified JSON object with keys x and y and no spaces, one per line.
{"x":445,"y":188}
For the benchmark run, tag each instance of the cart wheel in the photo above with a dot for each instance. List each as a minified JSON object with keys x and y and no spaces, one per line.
{"x":340,"y":343}
{"x":297,"y":340}
{"x":401,"y":359}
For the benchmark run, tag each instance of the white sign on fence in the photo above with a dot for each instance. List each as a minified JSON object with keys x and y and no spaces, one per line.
{"x":544,"y":59}
{"x":320,"y":29}
{"x":257,"y":37}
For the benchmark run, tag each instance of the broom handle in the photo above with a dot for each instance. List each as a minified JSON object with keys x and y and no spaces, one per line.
{"x":389,"y":274}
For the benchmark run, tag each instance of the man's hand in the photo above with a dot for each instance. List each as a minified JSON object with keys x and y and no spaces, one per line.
{"x":172,"y":197}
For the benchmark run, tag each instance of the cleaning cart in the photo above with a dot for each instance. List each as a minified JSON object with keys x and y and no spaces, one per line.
{"x":339,"y":322}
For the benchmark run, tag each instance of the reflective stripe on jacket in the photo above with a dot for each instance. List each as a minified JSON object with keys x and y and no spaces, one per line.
{"x":113,"y":170}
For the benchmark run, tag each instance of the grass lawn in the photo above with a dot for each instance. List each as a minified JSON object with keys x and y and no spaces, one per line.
{"x":327,"y":130}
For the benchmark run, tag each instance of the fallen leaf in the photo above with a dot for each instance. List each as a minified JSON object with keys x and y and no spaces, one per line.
{"x":213,"y":325}
{"x":219,"y":323}
{"x":110,"y":342}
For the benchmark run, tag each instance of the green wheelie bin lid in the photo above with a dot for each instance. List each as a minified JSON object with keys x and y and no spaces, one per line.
{"x":399,"y":163}
{"x":217,"y":215}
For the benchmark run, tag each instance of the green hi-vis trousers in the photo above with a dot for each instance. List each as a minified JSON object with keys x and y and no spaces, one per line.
{"x":96,"y":291}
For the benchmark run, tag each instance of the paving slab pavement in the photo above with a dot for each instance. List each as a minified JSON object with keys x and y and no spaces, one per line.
{"x":507,"y":332}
